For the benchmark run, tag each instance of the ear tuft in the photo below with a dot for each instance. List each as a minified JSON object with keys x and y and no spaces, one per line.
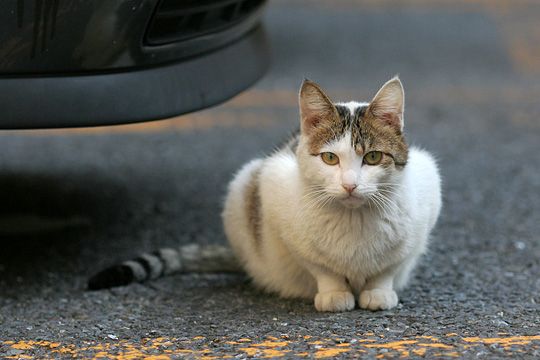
{"x":388,"y":104}
{"x":315,"y":106}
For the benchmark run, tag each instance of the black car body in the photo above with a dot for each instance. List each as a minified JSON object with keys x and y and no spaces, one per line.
{"x":66,"y":63}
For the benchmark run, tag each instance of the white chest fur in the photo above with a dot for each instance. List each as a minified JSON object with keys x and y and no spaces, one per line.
{"x":349,"y":242}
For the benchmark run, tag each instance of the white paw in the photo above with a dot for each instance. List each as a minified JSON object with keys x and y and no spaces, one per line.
{"x":378,"y":299}
{"x":334,"y":301}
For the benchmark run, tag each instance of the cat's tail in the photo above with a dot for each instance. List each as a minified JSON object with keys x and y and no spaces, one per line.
{"x":167,"y":261}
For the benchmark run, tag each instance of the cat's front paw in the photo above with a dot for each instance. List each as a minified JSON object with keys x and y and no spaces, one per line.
{"x":378,"y":299}
{"x":334,"y":301}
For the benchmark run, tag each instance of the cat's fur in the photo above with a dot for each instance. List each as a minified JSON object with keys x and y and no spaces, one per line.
{"x":191,"y":258}
{"x":297,"y":230}
{"x":294,"y":227}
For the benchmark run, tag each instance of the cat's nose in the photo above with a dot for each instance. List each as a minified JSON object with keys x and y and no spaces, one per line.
{"x":349,"y":187}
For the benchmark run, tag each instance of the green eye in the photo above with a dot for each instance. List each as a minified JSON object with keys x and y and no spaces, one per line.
{"x":330,"y":158}
{"x":373,"y":157}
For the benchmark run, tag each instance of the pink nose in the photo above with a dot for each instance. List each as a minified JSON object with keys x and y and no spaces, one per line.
{"x":349,"y":187}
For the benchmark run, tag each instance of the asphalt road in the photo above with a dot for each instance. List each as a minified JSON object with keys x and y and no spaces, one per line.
{"x":74,"y":201}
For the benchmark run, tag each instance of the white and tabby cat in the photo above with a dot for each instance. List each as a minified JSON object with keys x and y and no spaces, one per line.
{"x":344,"y":208}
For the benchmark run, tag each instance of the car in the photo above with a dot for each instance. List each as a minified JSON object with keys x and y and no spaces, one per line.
{"x":71,"y":63}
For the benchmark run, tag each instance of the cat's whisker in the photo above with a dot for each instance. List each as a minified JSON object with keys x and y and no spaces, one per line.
{"x":313,"y":198}
{"x":387,"y":192}
{"x":389,"y":183}
{"x":379,"y":206}
{"x":388,"y":210}
{"x":387,"y":207}
{"x":373,"y":199}
{"x":316,"y":200}
{"x":390,"y":191}
{"x":388,"y":188}
{"x":316,"y":197}
{"x":308,"y":205}
{"x":312,"y":193}
{"x":390,"y":195}
{"x":390,"y":203}
{"x":328,"y":200}
{"x":313,"y":188}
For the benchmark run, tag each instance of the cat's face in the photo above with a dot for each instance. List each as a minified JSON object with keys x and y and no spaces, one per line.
{"x":352,"y":152}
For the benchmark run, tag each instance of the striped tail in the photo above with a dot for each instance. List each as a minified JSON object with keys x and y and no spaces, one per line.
{"x":166,"y":261}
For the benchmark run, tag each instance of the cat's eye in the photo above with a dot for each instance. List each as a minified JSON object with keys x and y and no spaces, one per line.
{"x":373,"y":157}
{"x":330,"y":158}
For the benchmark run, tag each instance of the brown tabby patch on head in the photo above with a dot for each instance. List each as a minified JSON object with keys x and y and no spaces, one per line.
{"x":368,"y":133}
{"x":321,"y":135}
{"x":378,"y":135}
{"x":333,"y":129}
{"x":253,"y":206}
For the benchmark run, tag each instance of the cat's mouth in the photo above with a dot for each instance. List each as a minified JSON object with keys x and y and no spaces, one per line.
{"x":353,"y":200}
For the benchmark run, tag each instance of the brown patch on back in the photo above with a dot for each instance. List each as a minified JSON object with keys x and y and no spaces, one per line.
{"x":253,"y":206}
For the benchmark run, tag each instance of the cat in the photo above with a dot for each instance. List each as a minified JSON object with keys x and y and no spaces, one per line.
{"x":344,"y":208}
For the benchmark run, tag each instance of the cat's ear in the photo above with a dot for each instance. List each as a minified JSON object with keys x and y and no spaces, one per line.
{"x":388,"y":104}
{"x":315,"y":107}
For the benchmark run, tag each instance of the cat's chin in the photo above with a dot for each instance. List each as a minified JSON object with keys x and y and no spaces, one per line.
{"x":352,"y":202}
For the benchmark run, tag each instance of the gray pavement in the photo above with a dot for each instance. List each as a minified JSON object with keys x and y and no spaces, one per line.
{"x":74,"y":201}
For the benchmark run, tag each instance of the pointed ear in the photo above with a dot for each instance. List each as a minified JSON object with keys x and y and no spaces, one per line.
{"x":315,"y":107}
{"x":388,"y":104}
